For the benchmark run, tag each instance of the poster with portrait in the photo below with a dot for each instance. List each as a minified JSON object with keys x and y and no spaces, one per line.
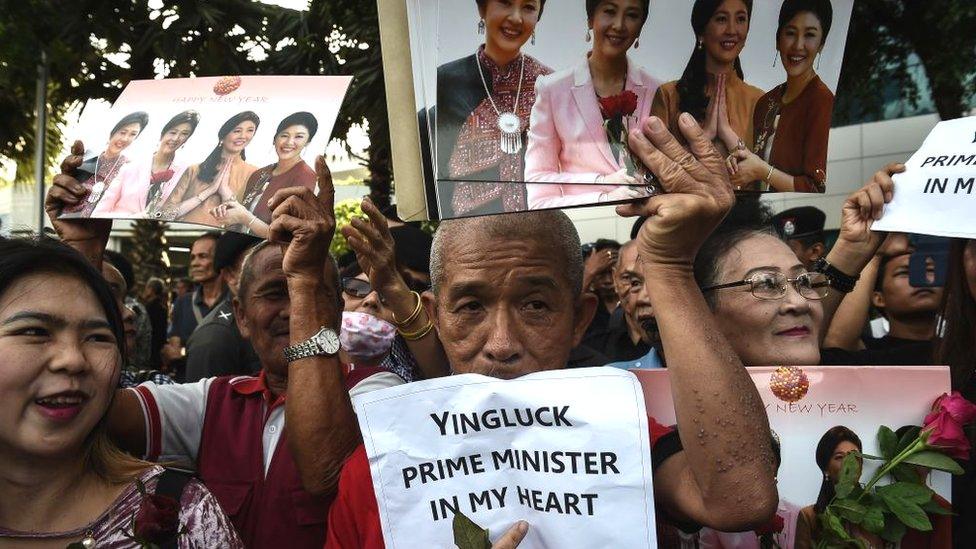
{"x":209,"y":151}
{"x":817,"y":414}
{"x":526,"y":104}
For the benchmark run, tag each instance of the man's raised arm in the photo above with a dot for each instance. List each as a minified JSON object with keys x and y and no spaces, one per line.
{"x":725,"y":477}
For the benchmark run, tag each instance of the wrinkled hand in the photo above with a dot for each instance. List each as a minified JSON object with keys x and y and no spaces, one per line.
{"x":67,"y":191}
{"x":373,"y":244}
{"x":745,"y":167}
{"x":698,"y":194}
{"x":863,"y":208}
{"x":307,"y":224}
{"x":513,"y":537}
{"x":618,"y":177}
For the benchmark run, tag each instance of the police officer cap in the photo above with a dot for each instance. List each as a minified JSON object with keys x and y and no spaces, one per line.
{"x":799,"y":222}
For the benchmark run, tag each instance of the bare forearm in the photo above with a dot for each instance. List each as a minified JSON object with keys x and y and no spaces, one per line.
{"x":850,"y":259}
{"x":321,"y":423}
{"x":721,"y":418}
{"x":852,"y":313}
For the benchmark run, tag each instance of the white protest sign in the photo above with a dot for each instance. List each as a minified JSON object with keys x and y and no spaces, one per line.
{"x":568,"y":451}
{"x":936,"y":195}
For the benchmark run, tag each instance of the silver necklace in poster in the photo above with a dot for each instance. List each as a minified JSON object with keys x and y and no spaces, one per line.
{"x":98,"y":188}
{"x":509,"y":123}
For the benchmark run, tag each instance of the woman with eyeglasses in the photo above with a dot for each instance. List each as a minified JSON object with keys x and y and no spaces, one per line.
{"x":385,"y":305}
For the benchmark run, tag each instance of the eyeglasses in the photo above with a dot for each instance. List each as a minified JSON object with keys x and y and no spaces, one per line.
{"x":770,"y":285}
{"x":358,"y":288}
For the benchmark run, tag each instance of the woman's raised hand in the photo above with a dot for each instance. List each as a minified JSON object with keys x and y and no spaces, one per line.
{"x":725,"y":133}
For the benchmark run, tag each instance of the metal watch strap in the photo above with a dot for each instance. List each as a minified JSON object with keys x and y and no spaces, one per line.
{"x":839,"y":280}
{"x":302,"y":350}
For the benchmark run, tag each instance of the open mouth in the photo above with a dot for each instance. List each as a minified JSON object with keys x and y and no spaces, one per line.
{"x":796,"y":59}
{"x":62,"y":406}
{"x":729,"y":45}
{"x":511,"y":34}
{"x":616,"y":40}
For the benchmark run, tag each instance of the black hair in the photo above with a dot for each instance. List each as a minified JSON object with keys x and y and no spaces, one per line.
{"x":825,"y":450}
{"x":302,"y":118}
{"x":138,"y":117}
{"x":749,"y":217}
{"x":591,"y":6}
{"x":810,"y":239}
{"x":186,"y":117}
{"x":882,"y":265}
{"x":694,"y":80}
{"x":211,"y":235}
{"x":208,"y":168}
{"x":822,"y":9}
{"x":542,"y":5}
{"x":124,"y":266}
{"x":20,"y":258}
{"x":605,"y":244}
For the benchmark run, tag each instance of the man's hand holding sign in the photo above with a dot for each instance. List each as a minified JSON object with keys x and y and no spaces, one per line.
{"x":507,"y":303}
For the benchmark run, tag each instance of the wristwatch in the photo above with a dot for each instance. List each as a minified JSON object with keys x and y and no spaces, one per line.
{"x":324,"y":343}
{"x":839,"y":280}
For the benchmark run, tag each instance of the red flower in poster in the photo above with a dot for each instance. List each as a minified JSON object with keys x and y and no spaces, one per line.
{"x":774,"y":526}
{"x":618,"y":106}
{"x":161,"y":177}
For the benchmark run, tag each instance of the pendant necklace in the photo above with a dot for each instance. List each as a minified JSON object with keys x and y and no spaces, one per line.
{"x":509,"y":123}
{"x":98,"y":188}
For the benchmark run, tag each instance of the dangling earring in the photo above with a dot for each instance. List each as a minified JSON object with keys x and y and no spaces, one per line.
{"x":819,"y":57}
{"x":533,"y":38}
{"x":481,"y":26}
{"x":587,"y":35}
{"x":775,"y":55}
{"x":636,"y":44}
{"x":701,"y":43}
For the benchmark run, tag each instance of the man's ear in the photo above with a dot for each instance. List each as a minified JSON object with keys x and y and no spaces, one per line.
{"x":585,"y":311}
{"x":429,"y":302}
{"x":240,"y":319}
{"x":878,"y":300}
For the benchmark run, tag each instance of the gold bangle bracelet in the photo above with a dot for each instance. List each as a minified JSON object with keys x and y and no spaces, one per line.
{"x":419,"y":334}
{"x":413,"y":316}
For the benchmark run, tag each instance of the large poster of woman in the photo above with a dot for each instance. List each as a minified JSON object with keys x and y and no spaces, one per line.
{"x":225,"y":145}
{"x":526,"y":104}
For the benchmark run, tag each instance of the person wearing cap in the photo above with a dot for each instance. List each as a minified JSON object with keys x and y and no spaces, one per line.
{"x":802,"y":228}
{"x":216,"y":347}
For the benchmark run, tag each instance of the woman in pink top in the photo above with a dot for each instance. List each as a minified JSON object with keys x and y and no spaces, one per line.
{"x":141,"y":186}
{"x":569,"y":158}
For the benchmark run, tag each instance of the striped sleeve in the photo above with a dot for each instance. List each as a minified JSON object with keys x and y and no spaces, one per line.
{"x":174,"y":419}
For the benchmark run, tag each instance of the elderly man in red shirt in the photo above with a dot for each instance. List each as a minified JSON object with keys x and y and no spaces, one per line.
{"x":232,"y":429}
{"x":507,"y":302}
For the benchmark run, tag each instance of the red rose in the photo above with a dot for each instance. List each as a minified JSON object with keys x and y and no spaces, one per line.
{"x":774,"y":526}
{"x":161,"y":177}
{"x":945,"y":434}
{"x":157,"y":519}
{"x":628,"y":103}
{"x":610,"y":106}
{"x":961,"y":410}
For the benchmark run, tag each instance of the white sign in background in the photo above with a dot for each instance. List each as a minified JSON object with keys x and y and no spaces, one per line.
{"x":936,"y":195}
{"x":579,"y":473}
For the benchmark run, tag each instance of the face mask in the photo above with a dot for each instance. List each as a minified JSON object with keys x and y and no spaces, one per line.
{"x":364,"y":337}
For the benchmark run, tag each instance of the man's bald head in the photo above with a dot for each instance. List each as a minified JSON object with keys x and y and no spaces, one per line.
{"x":552,"y":229}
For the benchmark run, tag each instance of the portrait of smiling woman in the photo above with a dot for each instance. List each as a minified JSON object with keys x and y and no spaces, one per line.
{"x":568,"y":139}
{"x":62,"y":480}
{"x":219,"y":178}
{"x":711,"y":88}
{"x":792,"y":121}
{"x":249,"y":212}
{"x":483,"y":106}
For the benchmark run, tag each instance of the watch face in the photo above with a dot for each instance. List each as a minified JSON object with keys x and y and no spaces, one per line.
{"x":327,"y":340}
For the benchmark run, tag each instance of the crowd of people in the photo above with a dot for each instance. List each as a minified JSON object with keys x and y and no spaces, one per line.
{"x":276,"y":333}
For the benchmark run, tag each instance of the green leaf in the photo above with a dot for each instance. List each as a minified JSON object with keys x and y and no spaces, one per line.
{"x":904,"y":472}
{"x":910,"y":514}
{"x":832,"y":524}
{"x":911,"y":492}
{"x":850,"y":473}
{"x":933,"y":508}
{"x":849,"y":510}
{"x":893,"y":530}
{"x":935,"y":460}
{"x":874,"y":520}
{"x":910,"y":436}
{"x":887,"y":442}
{"x":468,"y":535}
